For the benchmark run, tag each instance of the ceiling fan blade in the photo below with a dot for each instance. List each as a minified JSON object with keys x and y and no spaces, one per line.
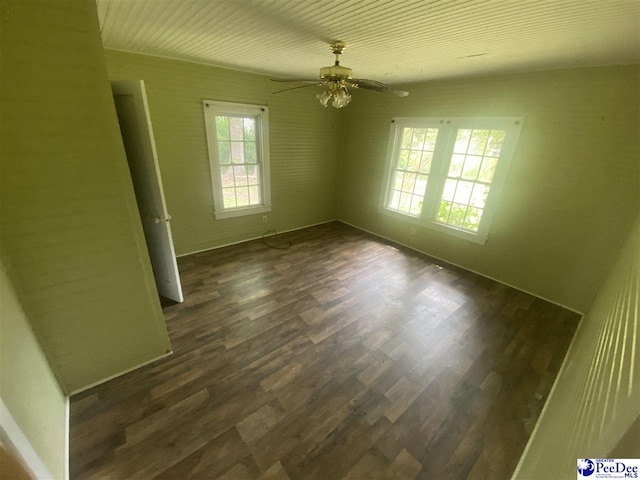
{"x":376,"y":87}
{"x":303,"y":80}
{"x":295,"y":88}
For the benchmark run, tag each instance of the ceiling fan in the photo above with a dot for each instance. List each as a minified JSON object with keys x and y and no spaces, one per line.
{"x":337,"y":80}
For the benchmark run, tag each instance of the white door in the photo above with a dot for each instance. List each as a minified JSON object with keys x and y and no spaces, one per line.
{"x":137,"y":134}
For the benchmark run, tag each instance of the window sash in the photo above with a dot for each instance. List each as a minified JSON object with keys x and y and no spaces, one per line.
{"x":441,"y":163}
{"x":411,"y":169}
{"x":240,"y":178}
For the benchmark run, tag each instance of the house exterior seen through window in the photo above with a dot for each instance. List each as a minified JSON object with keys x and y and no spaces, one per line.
{"x":447,"y":173}
{"x":238,"y":140}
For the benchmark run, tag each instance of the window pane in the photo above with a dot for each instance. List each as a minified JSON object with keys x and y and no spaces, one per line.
{"x":471,"y":167}
{"x":443,"y":211}
{"x":430,"y":141}
{"x":478,"y":142}
{"x":449,"y":189}
{"x":421,"y":185}
{"x":250,"y":152}
{"x":395,"y":200}
{"x":249,"y":125}
{"x":414,"y":160}
{"x":458,"y":212}
{"x":487,"y":169}
{"x":236,"y":128}
{"x":416,"y":205}
{"x":462,"y":141}
{"x":253,"y":174}
{"x":417,"y":142}
{"x":226,"y":176}
{"x":455,"y":168}
{"x":403,"y":159}
{"x":463,"y":192}
{"x":254,"y":195}
{"x":397,"y":181}
{"x":407,"y":133}
{"x":472,"y":220}
{"x":237,"y":152}
{"x":425,"y":162}
{"x":409,"y":182}
{"x":229,"y":197}
{"x":222,"y":128}
{"x":494,"y":145}
{"x":405,"y":201}
{"x":242,"y":196}
{"x":240,"y":176}
{"x":479,"y":195}
{"x":224,"y":151}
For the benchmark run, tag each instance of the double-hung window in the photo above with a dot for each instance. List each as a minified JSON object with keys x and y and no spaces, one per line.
{"x":447,"y":173}
{"x":238,"y":140}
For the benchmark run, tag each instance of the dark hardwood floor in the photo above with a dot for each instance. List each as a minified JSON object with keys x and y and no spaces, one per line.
{"x":339,"y":357}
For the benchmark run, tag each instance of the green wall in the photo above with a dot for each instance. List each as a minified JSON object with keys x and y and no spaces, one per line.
{"x":596,"y":396}
{"x":572,"y":189}
{"x":72,"y":242}
{"x":27,"y":385}
{"x":305,"y":148}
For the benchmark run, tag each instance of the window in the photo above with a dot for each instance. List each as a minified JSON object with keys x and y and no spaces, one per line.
{"x":447,"y":173}
{"x":238,"y":139}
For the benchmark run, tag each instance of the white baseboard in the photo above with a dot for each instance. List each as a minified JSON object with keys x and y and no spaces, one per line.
{"x":13,"y":433}
{"x":256,"y":238}
{"x":464,"y":268}
{"x":119,"y":374}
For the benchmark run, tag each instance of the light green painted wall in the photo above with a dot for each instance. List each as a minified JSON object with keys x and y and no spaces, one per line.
{"x":597,"y":394}
{"x":27,"y":385}
{"x":71,"y":236}
{"x":305,"y":141}
{"x":572,"y":190}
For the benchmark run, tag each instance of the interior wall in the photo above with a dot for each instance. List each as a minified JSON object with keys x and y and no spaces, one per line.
{"x":572,"y":188}
{"x":72,"y":241}
{"x":305,"y":148}
{"x":595,"y":402}
{"x":28,"y":387}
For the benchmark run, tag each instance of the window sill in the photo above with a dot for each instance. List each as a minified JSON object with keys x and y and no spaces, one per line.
{"x":240,"y":212}
{"x":430,"y":224}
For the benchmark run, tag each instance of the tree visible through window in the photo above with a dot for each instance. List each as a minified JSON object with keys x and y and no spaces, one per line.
{"x":446,"y":173}
{"x":238,"y":155}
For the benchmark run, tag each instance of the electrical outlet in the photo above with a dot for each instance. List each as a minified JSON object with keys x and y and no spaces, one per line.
{"x":412,"y":231}
{"x":264,"y":219}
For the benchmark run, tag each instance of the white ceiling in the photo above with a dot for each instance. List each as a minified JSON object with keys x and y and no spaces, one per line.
{"x":393,"y":41}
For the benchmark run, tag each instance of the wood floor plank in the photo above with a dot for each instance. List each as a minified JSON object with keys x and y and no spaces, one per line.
{"x":342,"y":356}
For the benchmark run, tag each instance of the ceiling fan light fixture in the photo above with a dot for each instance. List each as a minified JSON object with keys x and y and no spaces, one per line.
{"x":341,"y":98}
{"x":324,"y":97}
{"x":338,"y":92}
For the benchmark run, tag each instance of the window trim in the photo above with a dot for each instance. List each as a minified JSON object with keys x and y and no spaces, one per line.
{"x":211,"y":109}
{"x":448,"y":127}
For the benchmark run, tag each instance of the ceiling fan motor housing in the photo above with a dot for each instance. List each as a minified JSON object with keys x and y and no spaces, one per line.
{"x":336,"y":72}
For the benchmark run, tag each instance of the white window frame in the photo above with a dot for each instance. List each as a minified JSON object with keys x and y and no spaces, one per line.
{"x":261,"y":113}
{"x":445,"y":143}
